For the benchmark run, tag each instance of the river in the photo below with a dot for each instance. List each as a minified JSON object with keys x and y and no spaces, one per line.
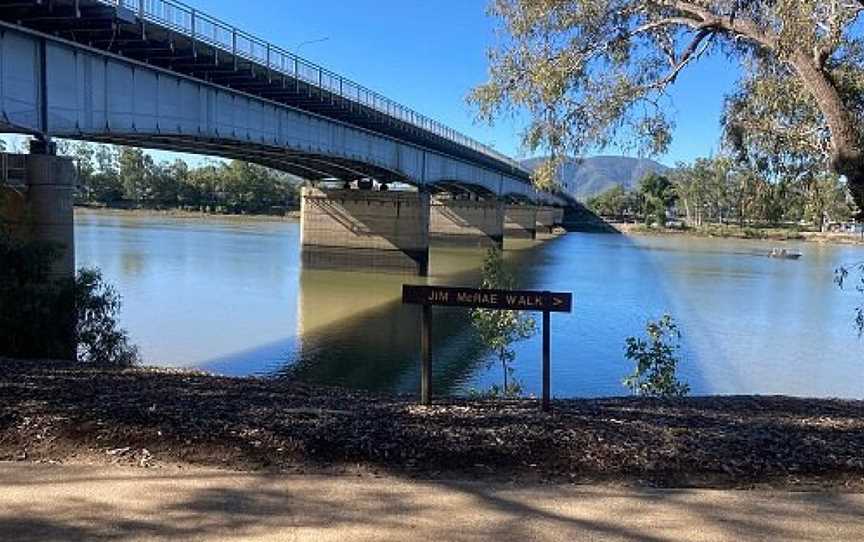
{"x":231,"y":296}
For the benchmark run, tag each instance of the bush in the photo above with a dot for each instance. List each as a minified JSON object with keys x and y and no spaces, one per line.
{"x":656,"y":361}
{"x":500,"y":329}
{"x":100,"y":339}
{"x":41,"y":317}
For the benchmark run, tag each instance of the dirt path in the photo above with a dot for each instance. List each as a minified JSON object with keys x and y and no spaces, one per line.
{"x":71,"y":502}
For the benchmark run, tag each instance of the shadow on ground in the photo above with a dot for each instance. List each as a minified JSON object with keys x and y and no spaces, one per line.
{"x":89,"y":503}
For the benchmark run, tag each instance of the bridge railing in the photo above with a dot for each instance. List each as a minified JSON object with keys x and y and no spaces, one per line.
{"x":199,"y":26}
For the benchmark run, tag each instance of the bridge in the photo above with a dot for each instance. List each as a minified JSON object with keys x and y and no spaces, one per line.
{"x":159,"y":74}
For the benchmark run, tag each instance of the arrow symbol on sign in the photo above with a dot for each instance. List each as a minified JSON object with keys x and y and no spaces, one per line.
{"x":557,"y":301}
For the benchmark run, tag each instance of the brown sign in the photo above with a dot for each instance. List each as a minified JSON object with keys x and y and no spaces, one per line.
{"x":517,"y":300}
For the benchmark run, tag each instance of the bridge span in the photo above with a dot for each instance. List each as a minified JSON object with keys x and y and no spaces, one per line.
{"x":159,"y":74}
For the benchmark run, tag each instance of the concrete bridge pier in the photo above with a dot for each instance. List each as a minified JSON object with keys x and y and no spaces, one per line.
{"x":545,"y":221}
{"x":364,"y":230}
{"x":520,"y":222}
{"x":467,"y":222}
{"x":558,"y":217}
{"x":37,"y":204}
{"x":36,"y":196}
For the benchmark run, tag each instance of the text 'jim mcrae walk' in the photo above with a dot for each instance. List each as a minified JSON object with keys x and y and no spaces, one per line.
{"x":491,"y":299}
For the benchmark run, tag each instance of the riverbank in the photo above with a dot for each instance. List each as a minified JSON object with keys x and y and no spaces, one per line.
{"x":180,"y":213}
{"x":731,"y":231}
{"x":58,"y":412}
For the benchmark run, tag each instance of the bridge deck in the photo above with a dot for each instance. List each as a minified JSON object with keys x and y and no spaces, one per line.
{"x":170,"y":35}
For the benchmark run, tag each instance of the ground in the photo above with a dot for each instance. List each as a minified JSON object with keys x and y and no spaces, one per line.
{"x":147,"y":417}
{"x":71,"y":503}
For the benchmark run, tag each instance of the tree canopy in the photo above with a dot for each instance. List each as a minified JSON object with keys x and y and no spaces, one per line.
{"x":593,"y":72}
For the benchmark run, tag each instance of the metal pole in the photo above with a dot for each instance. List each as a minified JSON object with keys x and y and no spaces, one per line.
{"x":234,"y":46}
{"x":546,"y":355}
{"x":192,"y":22}
{"x":426,"y":355}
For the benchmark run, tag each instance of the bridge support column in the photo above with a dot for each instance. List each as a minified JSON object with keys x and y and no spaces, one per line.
{"x":520,"y":222}
{"x":365,"y":231}
{"x":558,"y":216}
{"x":545,"y":221}
{"x":36,"y":195}
{"x":37,"y":204}
{"x":467,"y":222}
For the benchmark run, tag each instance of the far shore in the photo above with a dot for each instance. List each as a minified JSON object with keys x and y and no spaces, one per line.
{"x":182,"y":213}
{"x":148,"y":417}
{"x":727,"y":231}
{"x":730,"y":231}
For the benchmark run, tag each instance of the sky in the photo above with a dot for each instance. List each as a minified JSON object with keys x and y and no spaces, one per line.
{"x":428,"y":55}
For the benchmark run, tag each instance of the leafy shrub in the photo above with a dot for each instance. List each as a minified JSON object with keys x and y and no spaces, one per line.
{"x":656,"y":361}
{"x":43,"y":317}
{"x":500,"y":329}
{"x":100,"y":339}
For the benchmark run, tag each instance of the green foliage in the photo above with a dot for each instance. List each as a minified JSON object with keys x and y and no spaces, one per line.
{"x":658,"y":195}
{"x":42,"y":317}
{"x":656,"y":361}
{"x":101,"y":341}
{"x":590,"y":74}
{"x":615,"y":202}
{"x":500,"y":329}
{"x":841,"y":278}
{"x":721,"y":191}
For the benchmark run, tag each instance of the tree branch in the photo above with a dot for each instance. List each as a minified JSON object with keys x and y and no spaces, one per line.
{"x":690,"y":53}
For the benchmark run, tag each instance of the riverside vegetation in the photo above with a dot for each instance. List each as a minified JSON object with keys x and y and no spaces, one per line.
{"x":42,"y":317}
{"x":129,"y":177}
{"x":498,"y":330}
{"x":719,"y":197}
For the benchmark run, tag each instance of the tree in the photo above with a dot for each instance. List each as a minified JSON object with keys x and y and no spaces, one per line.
{"x":656,"y":361}
{"x":613,"y":202}
{"x":658,"y":194}
{"x":133,"y":165}
{"x":593,"y":72}
{"x":82,"y":154}
{"x":500,"y":329}
{"x":825,"y":200}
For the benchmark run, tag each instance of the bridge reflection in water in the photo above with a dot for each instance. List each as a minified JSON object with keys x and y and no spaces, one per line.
{"x":354,"y":330}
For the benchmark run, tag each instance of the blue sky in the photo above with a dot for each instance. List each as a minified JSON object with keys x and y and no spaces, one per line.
{"x":428,"y":54}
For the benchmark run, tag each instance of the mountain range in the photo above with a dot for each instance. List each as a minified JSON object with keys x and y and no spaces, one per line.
{"x":590,"y":176}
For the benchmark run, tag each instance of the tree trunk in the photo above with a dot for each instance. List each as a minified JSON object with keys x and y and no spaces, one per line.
{"x":847,"y":157}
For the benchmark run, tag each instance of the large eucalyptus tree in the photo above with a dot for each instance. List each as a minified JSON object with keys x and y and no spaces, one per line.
{"x":590,"y":72}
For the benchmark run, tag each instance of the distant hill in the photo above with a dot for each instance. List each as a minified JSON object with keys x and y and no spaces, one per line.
{"x":591,"y":176}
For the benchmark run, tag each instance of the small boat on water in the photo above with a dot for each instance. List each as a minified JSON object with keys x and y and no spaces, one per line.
{"x":783,"y":254}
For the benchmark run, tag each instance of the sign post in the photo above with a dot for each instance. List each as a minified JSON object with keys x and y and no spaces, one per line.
{"x":426,"y":355}
{"x":544,"y":405}
{"x":476,"y":298}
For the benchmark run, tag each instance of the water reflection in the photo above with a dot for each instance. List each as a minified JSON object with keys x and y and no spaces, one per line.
{"x":355,"y":331}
